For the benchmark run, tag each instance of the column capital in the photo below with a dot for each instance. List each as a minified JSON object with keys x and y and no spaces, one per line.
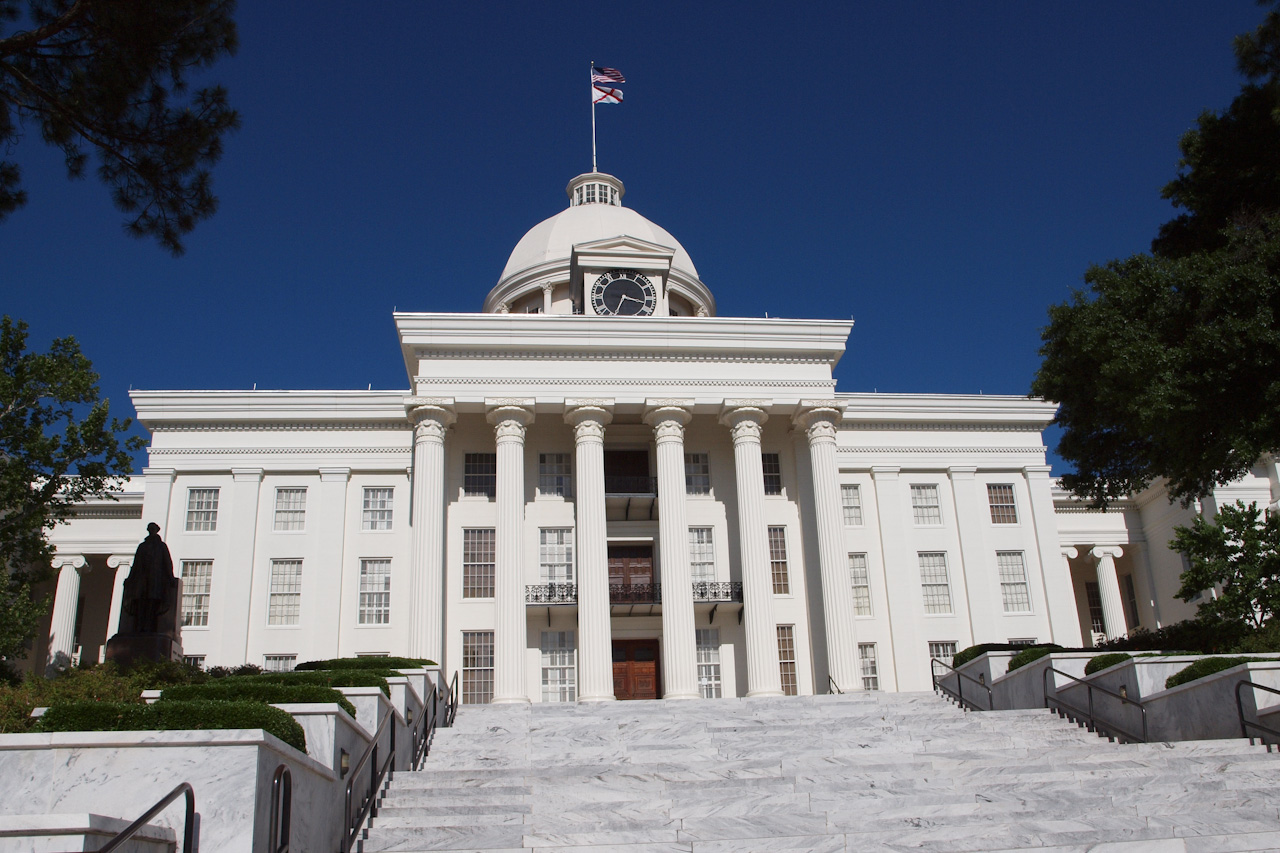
{"x":335,"y":475}
{"x":510,"y":416}
{"x":1037,"y":472}
{"x":734,"y":407}
{"x":819,"y":419}
{"x":119,"y":561}
{"x":668,"y":417}
{"x":744,"y":418}
{"x":431,"y":419}
{"x":1103,"y":551}
{"x":885,"y":472}
{"x":159,"y":475}
{"x":246,"y":475}
{"x":64,"y":561}
{"x":588,"y":418}
{"x":962,"y":472}
{"x":1069,"y":552}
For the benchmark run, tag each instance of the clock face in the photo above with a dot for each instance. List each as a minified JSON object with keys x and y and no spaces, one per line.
{"x":624,"y":293}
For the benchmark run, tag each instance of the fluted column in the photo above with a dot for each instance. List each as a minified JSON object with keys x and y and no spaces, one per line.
{"x":744,"y":419}
{"x":509,"y":421}
{"x":66,"y":599}
{"x":123,"y":564}
{"x":819,"y":419}
{"x":595,"y":640}
{"x":679,"y":637}
{"x":431,"y":419}
{"x":1109,"y":590}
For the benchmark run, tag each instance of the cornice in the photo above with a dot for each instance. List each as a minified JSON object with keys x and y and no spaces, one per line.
{"x":277,"y":451}
{"x":425,"y":354}
{"x":283,"y":426}
{"x":491,"y":380}
{"x":952,"y":449}
{"x":937,"y":426}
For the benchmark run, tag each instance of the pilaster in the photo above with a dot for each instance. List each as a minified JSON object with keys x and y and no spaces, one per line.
{"x":1059,"y":594}
{"x":157,"y":496}
{"x":242,"y":521}
{"x":981,"y":583}
{"x":902,"y":579}
{"x":330,"y":519}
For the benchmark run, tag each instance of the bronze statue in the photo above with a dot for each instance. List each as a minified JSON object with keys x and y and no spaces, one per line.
{"x":149,"y":611}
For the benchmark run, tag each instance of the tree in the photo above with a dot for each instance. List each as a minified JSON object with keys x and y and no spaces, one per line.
{"x":58,"y":445}
{"x":111,"y":76}
{"x":1239,"y":554}
{"x":1166,"y":365}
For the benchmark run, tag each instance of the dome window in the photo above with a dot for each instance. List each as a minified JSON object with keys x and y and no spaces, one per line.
{"x":595,"y":194}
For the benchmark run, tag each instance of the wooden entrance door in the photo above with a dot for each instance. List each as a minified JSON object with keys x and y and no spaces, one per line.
{"x":635,"y":669}
{"x":630,"y":565}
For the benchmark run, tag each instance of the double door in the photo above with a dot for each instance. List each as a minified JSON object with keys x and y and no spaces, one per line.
{"x":635,"y":669}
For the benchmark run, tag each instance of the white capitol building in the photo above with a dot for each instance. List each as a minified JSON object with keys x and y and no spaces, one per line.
{"x":597,"y":488}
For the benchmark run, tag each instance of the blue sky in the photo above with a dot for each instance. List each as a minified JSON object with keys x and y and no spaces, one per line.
{"x":941,"y":172}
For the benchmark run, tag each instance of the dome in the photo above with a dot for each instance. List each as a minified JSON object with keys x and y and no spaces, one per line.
{"x":553,"y":239}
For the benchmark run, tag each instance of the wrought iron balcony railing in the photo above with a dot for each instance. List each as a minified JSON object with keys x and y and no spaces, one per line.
{"x":635,"y":593}
{"x":551,"y":593}
{"x":717,"y":591}
{"x":616,"y":485}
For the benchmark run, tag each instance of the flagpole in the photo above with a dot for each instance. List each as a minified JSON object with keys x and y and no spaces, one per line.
{"x":591,"y":88}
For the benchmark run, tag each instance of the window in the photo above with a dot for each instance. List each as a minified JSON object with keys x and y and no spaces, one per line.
{"x":480,"y":475}
{"x":1013,"y":582}
{"x":202,"y":509}
{"x":284,"y":602}
{"x":924,"y":504}
{"x":197,"y":578}
{"x":559,"y":675}
{"x":279,"y":663}
{"x":772,"y":464}
{"x":555,"y":554}
{"x":787,"y":658}
{"x":1003,"y":509}
{"x":377,"y":509}
{"x":778,"y":560}
{"x":702,"y":554}
{"x":708,"y":640}
{"x":697,"y":474}
{"x":1022,"y":641}
{"x":477,"y":667}
{"x":933,"y":578}
{"x":194,"y":660}
{"x":477,"y":562}
{"x":944,"y":651}
{"x":555,"y":473}
{"x":375,"y":592}
{"x":1130,"y":600}
{"x":1094,"y":596}
{"x":851,"y":499}
{"x":291,"y":509}
{"x":861,"y":584}
{"x":870,"y":667}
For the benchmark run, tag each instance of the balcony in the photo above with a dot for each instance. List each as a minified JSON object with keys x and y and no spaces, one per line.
{"x":717,"y":591}
{"x":551,"y":593}
{"x":623,"y":485}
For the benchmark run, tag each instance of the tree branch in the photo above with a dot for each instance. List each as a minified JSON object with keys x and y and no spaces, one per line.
{"x":21,"y":42}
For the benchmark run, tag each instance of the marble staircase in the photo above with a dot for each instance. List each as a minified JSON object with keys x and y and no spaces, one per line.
{"x":859,"y":772}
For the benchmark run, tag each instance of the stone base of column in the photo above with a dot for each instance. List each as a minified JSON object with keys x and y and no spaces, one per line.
{"x":609,"y":698}
{"x":680,"y":697}
{"x":764,"y":694}
{"x":509,"y":700}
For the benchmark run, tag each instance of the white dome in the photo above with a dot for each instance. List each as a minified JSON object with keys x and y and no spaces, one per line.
{"x":553,"y":239}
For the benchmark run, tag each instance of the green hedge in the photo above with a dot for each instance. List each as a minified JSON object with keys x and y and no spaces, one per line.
{"x":172,"y":716}
{"x":963,"y":656}
{"x":1201,"y":668}
{"x":325,"y":678}
{"x":1032,"y":653}
{"x":241,"y":690}
{"x":1101,"y":662}
{"x":364,"y":663}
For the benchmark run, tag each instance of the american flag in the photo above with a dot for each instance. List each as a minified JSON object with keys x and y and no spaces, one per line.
{"x":605,"y":95}
{"x":606,"y":75}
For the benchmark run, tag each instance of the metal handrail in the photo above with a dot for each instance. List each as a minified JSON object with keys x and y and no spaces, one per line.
{"x":1244,"y":724}
{"x":376,"y":774}
{"x":422,"y":740}
{"x":1109,"y":729}
{"x":188,"y":820}
{"x":835,"y":688}
{"x":281,"y":810}
{"x":453,"y":700}
{"x":958,"y":693}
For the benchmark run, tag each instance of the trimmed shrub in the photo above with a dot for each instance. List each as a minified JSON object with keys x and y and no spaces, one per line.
{"x":239,"y":690}
{"x":172,"y":716}
{"x":1192,"y":636}
{"x":1201,"y":668}
{"x":963,"y":656}
{"x":1032,"y":653}
{"x":326,"y":678}
{"x":1265,"y":639}
{"x":102,"y":683}
{"x":1101,"y":662}
{"x":364,"y":663}
{"x":228,"y":671}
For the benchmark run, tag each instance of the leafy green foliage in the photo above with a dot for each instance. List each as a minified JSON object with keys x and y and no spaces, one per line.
{"x":1168,"y":368}
{"x":385,"y":663}
{"x":166,"y":716}
{"x":60,"y":445}
{"x":102,"y":683}
{"x":1265,"y":639}
{"x":112,"y":77}
{"x":1193,"y":636}
{"x":327,"y":678}
{"x":963,"y":656}
{"x":1238,"y":552}
{"x":241,"y":690}
{"x":1201,"y":668}
{"x":1032,"y":653}
{"x":1101,"y":662}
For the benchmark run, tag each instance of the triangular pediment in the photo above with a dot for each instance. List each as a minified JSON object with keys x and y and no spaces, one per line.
{"x":623,"y":245}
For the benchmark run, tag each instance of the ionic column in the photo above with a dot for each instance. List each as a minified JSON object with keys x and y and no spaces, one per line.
{"x":431,"y":420}
{"x":595,"y":641}
{"x":679,"y":637}
{"x":123,"y":563}
{"x":819,"y":419}
{"x":1109,"y":590}
{"x":547,"y":288}
{"x":66,"y":600}
{"x":509,"y":421}
{"x":744,"y":419}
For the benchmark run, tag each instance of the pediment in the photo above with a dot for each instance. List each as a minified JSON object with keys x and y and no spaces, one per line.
{"x":622,"y":251}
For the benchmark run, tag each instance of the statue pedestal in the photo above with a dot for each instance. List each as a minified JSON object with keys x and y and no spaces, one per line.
{"x":127,"y":649}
